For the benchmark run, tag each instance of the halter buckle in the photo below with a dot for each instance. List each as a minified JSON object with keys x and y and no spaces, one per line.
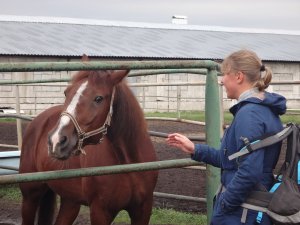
{"x":79,"y":151}
{"x":81,"y":135}
{"x":103,"y":133}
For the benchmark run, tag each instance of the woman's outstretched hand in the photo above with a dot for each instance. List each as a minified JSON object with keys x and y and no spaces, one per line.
{"x":182,"y":142}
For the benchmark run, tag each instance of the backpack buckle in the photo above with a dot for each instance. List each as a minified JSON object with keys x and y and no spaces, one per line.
{"x":247,"y":144}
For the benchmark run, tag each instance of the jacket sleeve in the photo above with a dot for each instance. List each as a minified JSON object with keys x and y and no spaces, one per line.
{"x":209,"y":155}
{"x":250,"y":170}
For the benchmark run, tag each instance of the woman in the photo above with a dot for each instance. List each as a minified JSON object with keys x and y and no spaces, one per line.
{"x":256,"y":114}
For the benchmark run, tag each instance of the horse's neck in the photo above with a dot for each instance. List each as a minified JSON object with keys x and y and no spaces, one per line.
{"x":128,"y":129}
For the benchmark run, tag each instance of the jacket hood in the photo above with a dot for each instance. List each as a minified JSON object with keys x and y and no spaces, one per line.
{"x":276,"y":102}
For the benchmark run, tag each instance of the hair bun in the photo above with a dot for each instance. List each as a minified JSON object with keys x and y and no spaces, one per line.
{"x":262,"y":68}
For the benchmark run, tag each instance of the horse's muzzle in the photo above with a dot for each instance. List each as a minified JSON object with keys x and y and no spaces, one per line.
{"x":61,"y":149}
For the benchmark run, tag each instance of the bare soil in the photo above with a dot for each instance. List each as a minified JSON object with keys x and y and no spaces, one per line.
{"x":173,"y":181}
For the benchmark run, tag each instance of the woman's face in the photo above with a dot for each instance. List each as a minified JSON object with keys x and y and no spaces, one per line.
{"x":229,"y":81}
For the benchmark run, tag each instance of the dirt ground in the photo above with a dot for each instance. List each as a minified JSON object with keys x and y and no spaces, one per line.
{"x":173,"y":181}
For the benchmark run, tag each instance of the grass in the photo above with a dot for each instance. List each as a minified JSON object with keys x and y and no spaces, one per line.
{"x":7,"y":120}
{"x":291,"y":116}
{"x":159,"y":216}
{"x":10,"y":192}
{"x":167,"y":216}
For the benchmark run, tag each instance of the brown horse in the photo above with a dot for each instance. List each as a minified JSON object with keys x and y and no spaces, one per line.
{"x":100,"y":124}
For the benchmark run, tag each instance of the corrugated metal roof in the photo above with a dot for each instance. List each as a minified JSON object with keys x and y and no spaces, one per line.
{"x":56,"y":37}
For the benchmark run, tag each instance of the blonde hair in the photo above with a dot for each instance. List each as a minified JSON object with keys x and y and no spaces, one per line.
{"x":251,"y":65}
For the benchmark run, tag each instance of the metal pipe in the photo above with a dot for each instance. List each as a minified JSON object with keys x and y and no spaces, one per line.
{"x":9,"y":168}
{"x":213,"y":128}
{"x":34,"y":81}
{"x":165,"y":135}
{"x":176,"y":120}
{"x":166,"y":84}
{"x":96,"y":171}
{"x":9,"y":146}
{"x":92,"y":65}
{"x":179,"y":197}
{"x":18,"y":121}
{"x":134,"y":75}
{"x":203,"y":168}
{"x":16,"y":116}
{"x":137,"y":73}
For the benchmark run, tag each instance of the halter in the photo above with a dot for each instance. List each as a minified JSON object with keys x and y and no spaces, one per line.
{"x":84,"y":135}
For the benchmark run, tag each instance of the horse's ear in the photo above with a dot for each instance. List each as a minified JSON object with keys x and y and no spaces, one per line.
{"x":85,"y":58}
{"x":118,"y":75}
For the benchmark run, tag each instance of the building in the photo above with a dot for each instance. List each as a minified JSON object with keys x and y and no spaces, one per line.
{"x":35,"y":39}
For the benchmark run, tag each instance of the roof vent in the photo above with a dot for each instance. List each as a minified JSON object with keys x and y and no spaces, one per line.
{"x":178,"y":19}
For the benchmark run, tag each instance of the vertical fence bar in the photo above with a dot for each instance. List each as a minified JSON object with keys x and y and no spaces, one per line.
{"x":213,"y":124}
{"x":178,"y":102}
{"x":144,"y":98}
{"x":221,"y":109}
{"x":18,"y":111}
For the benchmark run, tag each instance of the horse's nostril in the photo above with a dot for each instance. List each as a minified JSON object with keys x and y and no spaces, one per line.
{"x":63,"y":140}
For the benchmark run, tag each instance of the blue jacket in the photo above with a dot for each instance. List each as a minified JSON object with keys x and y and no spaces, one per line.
{"x":253,"y":118}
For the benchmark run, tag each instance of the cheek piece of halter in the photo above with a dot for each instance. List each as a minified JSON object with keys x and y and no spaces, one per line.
{"x":84,"y":135}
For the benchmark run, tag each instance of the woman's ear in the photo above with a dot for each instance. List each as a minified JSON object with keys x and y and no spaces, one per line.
{"x":240,"y":77}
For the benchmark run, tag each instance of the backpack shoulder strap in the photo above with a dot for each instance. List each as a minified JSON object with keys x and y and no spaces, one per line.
{"x":257,"y":144}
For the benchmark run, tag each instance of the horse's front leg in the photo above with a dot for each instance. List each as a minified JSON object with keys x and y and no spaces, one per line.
{"x":101,"y":215}
{"x":29,"y":209}
{"x":68,"y":212}
{"x":32,"y":195}
{"x":140,"y":213}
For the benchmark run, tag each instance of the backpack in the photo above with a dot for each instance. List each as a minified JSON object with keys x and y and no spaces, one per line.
{"x":282,"y":202}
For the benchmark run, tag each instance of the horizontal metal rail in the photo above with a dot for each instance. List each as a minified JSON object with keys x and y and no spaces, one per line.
{"x":137,"y":73}
{"x":92,"y":65}
{"x":96,"y":171}
{"x":9,"y":168}
{"x":64,"y":80}
{"x":131,"y":74}
{"x":17,"y":116}
{"x":165,"y":135}
{"x":179,"y":197}
{"x":175,"y":120}
{"x":9,"y":146}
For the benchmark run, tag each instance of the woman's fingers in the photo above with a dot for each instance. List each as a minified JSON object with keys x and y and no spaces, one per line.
{"x":180,"y":141}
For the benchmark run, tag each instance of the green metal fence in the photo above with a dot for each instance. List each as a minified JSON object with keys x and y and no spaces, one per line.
{"x":212,"y":109}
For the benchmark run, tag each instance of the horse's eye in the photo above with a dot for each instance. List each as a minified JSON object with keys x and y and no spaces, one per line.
{"x":98,"y":99}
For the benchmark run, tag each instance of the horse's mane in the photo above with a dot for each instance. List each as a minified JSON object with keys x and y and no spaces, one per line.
{"x":128,"y":119}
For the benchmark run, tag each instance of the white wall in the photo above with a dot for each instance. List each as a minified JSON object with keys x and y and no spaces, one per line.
{"x":35,"y":99}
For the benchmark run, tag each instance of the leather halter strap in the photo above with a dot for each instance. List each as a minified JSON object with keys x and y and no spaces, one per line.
{"x":84,"y":135}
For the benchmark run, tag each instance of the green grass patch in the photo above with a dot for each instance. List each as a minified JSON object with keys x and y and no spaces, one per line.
{"x":167,"y":216}
{"x":10,"y":192}
{"x":7,"y":120}
{"x":159,"y":216}
{"x":290,"y":116}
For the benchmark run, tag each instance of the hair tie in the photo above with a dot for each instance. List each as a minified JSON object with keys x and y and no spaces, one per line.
{"x":262,"y":68}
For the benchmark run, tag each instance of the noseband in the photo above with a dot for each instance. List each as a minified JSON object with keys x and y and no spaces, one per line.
{"x":84,"y":135}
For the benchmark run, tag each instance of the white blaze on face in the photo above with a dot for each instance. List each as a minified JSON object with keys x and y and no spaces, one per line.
{"x":65,"y":120}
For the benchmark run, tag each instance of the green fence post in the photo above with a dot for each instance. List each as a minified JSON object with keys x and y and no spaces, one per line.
{"x":213,"y":124}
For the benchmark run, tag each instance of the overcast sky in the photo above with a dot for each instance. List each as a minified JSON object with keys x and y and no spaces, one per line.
{"x":267,"y":14}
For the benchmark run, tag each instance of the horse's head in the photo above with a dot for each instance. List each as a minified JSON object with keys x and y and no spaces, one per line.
{"x":86,"y":112}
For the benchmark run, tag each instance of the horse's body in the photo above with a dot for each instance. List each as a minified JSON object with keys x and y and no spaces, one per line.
{"x":52,"y":138}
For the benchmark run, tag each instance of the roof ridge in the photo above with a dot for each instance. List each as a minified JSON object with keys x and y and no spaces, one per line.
{"x":74,"y":21}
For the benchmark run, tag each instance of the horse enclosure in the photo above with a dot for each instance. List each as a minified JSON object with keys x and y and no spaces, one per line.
{"x":212,"y":116}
